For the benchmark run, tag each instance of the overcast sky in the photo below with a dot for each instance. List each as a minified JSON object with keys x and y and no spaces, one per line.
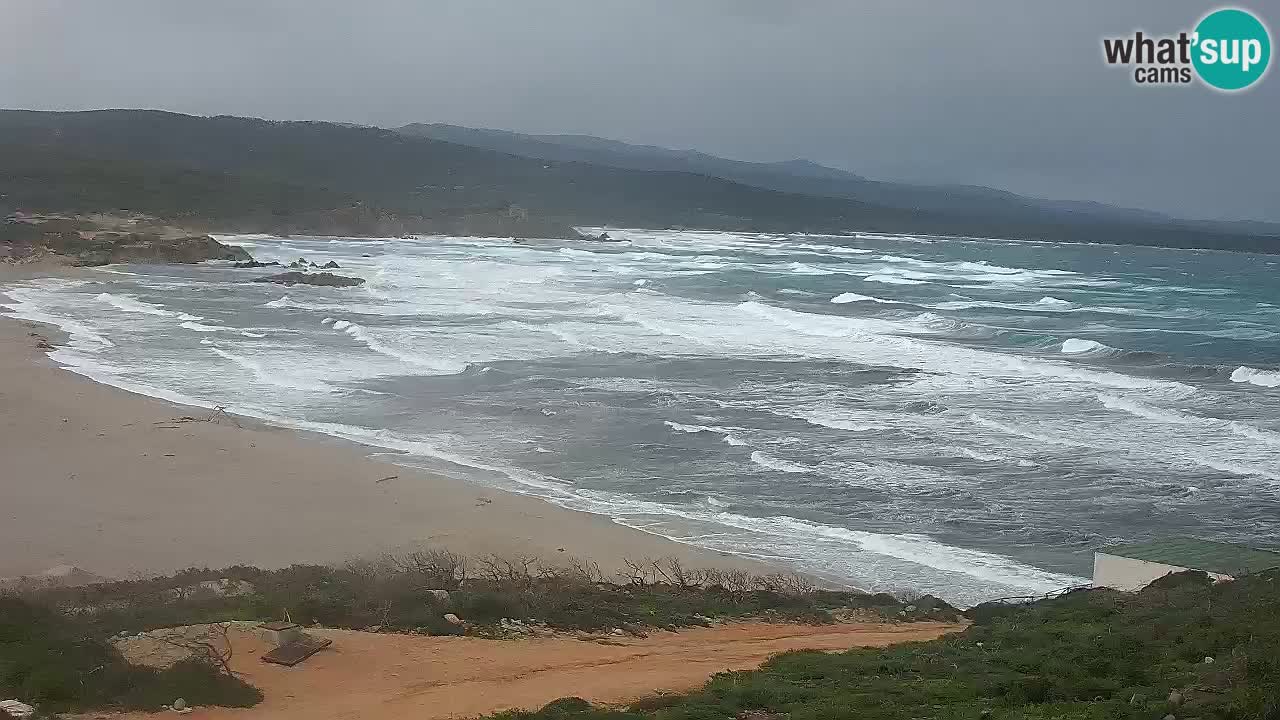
{"x":1007,"y":93}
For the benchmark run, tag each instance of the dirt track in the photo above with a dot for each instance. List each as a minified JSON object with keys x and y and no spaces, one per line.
{"x":389,"y":677}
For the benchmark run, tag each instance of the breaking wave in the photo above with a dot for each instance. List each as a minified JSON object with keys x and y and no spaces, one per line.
{"x":1076,"y":346}
{"x":200,"y":327}
{"x":133,"y":305}
{"x":893,"y":280}
{"x":850,"y":297}
{"x":279,"y":377}
{"x":774,"y":463}
{"x":1253,"y":376}
{"x":726,"y":433}
{"x":1022,"y":432}
{"x":377,"y":345}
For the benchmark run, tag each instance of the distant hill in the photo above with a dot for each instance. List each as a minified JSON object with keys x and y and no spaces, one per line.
{"x":256,"y":175}
{"x":796,"y":176}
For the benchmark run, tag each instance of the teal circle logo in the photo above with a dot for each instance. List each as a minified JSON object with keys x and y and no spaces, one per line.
{"x":1231,"y":49}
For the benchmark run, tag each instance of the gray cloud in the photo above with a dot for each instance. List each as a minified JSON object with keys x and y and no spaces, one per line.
{"x":1001,"y":92}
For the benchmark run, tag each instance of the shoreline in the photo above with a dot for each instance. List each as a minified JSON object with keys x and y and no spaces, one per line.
{"x":120,"y":484}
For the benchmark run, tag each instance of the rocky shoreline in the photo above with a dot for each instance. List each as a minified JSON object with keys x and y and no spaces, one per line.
{"x":88,"y":242}
{"x":101,"y":240}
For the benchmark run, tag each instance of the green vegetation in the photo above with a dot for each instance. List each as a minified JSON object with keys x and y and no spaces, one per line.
{"x":55,"y":650}
{"x":402,"y":593}
{"x":227,"y":173}
{"x":1088,"y":655}
{"x":1183,"y":646}
{"x":57,"y":662}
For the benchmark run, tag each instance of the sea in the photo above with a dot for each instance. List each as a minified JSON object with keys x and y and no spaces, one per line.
{"x":965,"y":417}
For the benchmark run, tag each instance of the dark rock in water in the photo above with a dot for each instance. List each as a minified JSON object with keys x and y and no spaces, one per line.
{"x":329,"y":265}
{"x":255,"y":264}
{"x":300,"y":278}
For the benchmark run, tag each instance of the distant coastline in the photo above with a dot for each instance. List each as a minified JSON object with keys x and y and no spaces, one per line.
{"x":246,"y":175}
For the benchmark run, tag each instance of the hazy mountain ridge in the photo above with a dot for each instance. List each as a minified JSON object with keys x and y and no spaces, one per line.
{"x":797,"y":175}
{"x":257,"y":175}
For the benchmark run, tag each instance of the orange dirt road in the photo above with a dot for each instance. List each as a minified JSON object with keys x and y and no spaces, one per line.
{"x":366,"y":676}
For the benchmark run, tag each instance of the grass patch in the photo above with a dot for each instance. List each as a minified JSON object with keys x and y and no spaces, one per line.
{"x":403,"y":593}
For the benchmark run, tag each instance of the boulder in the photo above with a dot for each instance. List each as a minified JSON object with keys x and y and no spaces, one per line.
{"x":452,"y":619}
{"x":16,"y":709}
{"x":301,"y":278}
{"x":254,"y":264}
{"x":331,"y":265}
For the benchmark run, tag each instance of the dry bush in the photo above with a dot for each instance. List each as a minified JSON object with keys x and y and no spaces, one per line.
{"x":438,"y":569}
{"x":518,"y":571}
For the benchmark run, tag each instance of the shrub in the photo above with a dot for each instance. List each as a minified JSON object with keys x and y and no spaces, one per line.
{"x":54,"y":661}
{"x":1087,"y":655}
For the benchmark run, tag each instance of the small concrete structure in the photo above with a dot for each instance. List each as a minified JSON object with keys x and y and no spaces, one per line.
{"x":280,"y":633}
{"x":1133,"y":567}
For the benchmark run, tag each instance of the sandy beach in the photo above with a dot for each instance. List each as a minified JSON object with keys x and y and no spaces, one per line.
{"x":115,"y":483}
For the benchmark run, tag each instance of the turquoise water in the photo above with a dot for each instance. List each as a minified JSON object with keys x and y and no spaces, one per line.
{"x":964,"y":417}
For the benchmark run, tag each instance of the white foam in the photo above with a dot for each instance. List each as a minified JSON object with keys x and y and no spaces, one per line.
{"x":272,"y":376}
{"x":799,"y":268}
{"x":877,"y":342}
{"x":1142,"y":410}
{"x":1253,"y":376}
{"x":774,"y":463}
{"x":727,"y":433}
{"x":29,"y":306}
{"x":371,"y":340}
{"x":130,"y":304}
{"x":1022,"y":432}
{"x":911,"y":548}
{"x":199,"y":327}
{"x":1253,"y":433}
{"x":978,"y":454}
{"x":893,"y":280}
{"x":1175,"y":417}
{"x":1075,"y":346}
{"x":836,"y":420}
{"x":248,"y":334}
{"x":850,"y":297}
